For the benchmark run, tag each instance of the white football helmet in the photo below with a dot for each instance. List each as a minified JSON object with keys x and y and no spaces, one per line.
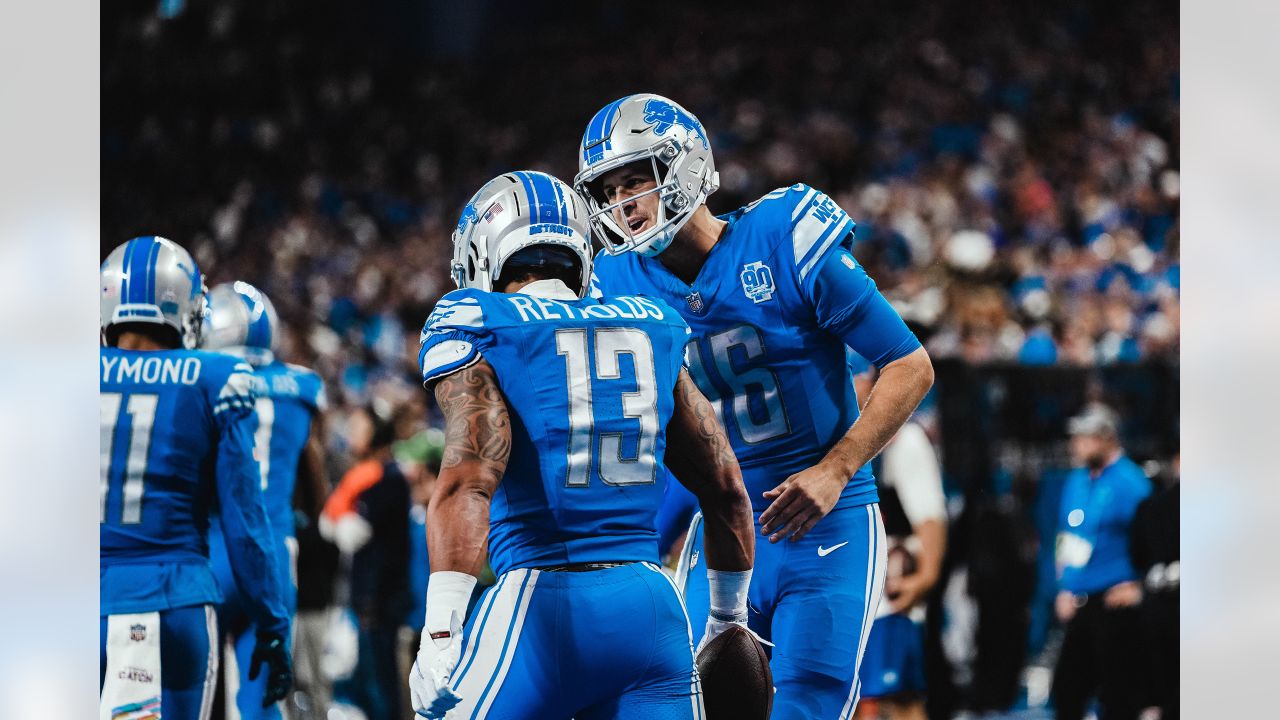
{"x":516,"y":211}
{"x":241,"y":321}
{"x":152,"y":280}
{"x":639,"y":128}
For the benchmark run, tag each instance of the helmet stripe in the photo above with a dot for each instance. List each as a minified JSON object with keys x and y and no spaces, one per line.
{"x":564,"y":211}
{"x":153,"y":256}
{"x":535,"y":212}
{"x":136,"y":262}
{"x":547,"y":194}
{"x":124,"y":272}
{"x":599,"y":128}
{"x":259,"y":331}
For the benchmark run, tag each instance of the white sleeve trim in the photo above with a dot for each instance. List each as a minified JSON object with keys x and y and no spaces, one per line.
{"x":446,"y":357}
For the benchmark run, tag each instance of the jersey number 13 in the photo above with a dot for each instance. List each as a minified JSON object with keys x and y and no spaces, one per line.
{"x":602,"y":450}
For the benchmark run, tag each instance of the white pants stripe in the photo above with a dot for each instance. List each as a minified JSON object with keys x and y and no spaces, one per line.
{"x":496,"y":644}
{"x":695,"y":687}
{"x":467,"y":658}
{"x":876,"y":561}
{"x":211,"y":671}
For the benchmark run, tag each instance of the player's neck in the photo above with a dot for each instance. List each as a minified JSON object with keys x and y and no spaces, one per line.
{"x":138,"y":341}
{"x":688,"y":253}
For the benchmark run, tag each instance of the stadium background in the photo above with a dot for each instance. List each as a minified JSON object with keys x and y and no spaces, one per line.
{"x":1013,"y":168}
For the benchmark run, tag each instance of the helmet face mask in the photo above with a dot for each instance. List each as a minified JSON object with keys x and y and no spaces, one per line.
{"x":151,"y":280}
{"x":513,"y":212}
{"x":650,"y":128}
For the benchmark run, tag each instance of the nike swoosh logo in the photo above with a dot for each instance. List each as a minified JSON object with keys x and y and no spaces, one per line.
{"x":823,"y":552}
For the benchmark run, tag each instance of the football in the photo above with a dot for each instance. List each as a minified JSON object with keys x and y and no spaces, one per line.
{"x":736,"y":682}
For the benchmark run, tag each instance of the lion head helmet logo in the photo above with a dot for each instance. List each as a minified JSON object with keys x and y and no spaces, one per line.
{"x":663,"y":115}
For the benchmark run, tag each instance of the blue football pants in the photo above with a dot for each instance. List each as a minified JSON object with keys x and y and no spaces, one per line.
{"x":239,"y":631}
{"x":188,"y":661}
{"x":814,"y":599}
{"x":609,"y":644}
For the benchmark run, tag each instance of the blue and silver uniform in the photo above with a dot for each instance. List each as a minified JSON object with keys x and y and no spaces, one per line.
{"x":288,"y":398}
{"x":772,"y":310}
{"x":177,"y":447}
{"x":590,"y":388}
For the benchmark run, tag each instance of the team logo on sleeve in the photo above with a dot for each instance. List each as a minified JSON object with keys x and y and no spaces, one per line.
{"x":757,"y":282}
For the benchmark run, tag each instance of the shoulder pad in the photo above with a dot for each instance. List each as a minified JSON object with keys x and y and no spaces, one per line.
{"x":457,"y":310}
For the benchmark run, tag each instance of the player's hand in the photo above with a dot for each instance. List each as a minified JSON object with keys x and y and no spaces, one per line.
{"x":1125,"y":594}
{"x":800,"y":502}
{"x":715,"y":627}
{"x":429,"y":679}
{"x":1064,"y":606}
{"x":270,"y":650}
{"x":903,"y":593}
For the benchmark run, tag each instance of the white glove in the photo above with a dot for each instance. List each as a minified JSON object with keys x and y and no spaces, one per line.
{"x":715,"y":627}
{"x":429,"y":679}
{"x":447,"y":595}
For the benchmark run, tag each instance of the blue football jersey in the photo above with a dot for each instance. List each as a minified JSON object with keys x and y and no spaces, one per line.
{"x":590,"y":386}
{"x":288,"y":398}
{"x":177,"y":442}
{"x":771,"y":312}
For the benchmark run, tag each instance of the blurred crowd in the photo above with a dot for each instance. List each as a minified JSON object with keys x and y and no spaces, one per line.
{"x":1013,"y":168}
{"x":1014,"y":171}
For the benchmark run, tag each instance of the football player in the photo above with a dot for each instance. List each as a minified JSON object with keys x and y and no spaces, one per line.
{"x":772,"y":296}
{"x":289,"y":399}
{"x":177,"y":436}
{"x":561,"y":411}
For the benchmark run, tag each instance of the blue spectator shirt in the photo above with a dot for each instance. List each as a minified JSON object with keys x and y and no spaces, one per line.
{"x":1093,"y":526}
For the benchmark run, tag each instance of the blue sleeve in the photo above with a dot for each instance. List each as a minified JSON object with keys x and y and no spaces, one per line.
{"x":453,"y":337}
{"x":857,"y":364}
{"x":594,"y":286}
{"x":311,"y":390}
{"x":1137,"y":489}
{"x":818,"y":228}
{"x":248,"y":534}
{"x":848,"y":304}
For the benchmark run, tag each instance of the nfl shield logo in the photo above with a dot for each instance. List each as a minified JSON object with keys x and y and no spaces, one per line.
{"x":757,"y":281}
{"x":137,"y":632}
{"x":695,"y":302}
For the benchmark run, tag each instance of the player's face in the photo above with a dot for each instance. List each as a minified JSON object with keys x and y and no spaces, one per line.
{"x":629,"y":182}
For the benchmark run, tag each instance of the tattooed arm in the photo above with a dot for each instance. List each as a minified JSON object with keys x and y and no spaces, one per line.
{"x":698,"y":454}
{"x":477,"y":444}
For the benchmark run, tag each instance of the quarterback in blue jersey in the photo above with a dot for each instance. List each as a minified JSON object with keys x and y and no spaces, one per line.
{"x":561,"y":412}
{"x":177,"y":448}
{"x":772,"y":296}
{"x":243,"y":322}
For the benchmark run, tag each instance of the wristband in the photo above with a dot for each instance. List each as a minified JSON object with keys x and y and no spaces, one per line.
{"x":448,"y":592}
{"x":729,"y":594}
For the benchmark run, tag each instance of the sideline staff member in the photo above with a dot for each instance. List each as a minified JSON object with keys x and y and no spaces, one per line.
{"x":1099,"y":590}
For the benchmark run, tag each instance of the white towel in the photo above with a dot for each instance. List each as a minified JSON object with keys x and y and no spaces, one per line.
{"x":131,"y":689}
